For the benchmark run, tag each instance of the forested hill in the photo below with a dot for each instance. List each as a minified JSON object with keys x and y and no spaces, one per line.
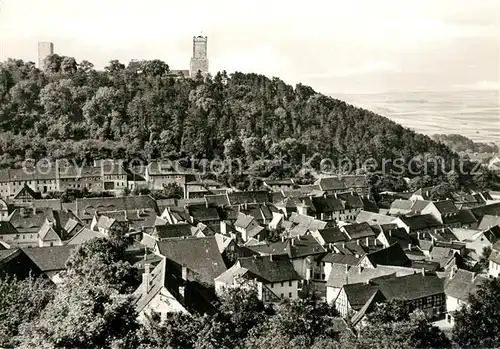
{"x":73,"y":110}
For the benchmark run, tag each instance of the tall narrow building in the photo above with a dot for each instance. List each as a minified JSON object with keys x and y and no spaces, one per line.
{"x":45,"y":49}
{"x":199,"y":62}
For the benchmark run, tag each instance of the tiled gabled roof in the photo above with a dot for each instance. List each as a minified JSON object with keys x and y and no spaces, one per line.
{"x":358,"y":230}
{"x":421,"y":222}
{"x":50,"y":258}
{"x":351,"y":200}
{"x":410,"y":287}
{"x":462,"y":284}
{"x":332,"y":235}
{"x":331,"y":183}
{"x":489,"y":221}
{"x":327,"y":205}
{"x":276,"y":270}
{"x":200,"y":255}
{"x":392,"y":255}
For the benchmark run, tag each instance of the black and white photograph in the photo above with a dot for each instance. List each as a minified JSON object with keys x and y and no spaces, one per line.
{"x":249,"y":174}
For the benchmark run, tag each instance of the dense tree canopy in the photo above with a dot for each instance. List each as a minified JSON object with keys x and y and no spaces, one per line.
{"x":392,"y":326}
{"x":21,"y":301}
{"x":477,"y":325}
{"x":140,"y":110}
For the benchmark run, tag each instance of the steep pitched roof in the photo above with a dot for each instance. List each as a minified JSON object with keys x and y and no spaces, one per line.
{"x":358,"y":230}
{"x":330,"y":183}
{"x":488,"y":221}
{"x":351,"y":200}
{"x":168,"y":231}
{"x":241,"y":197}
{"x":369,"y":205}
{"x":202,"y":213}
{"x":491,"y":210}
{"x":217,"y":200}
{"x":47,"y":233}
{"x":84,"y":235}
{"x":445,"y":207}
{"x":13,"y":262}
{"x":198,"y":254}
{"x":327,"y":205}
{"x":297,"y":247}
{"x":420,"y":222}
{"x":6,"y":228}
{"x":419,"y":205}
{"x":332,"y":235}
{"x":462,"y":284}
{"x":495,"y":253}
{"x":355,"y":181}
{"x":105,"y":222}
{"x":51,"y":258}
{"x":359,"y":294}
{"x":276,"y":270}
{"x":410,"y":287}
{"x":397,"y":235}
{"x":338,"y":258}
{"x":344,"y":274}
{"x":392,"y":255}
{"x":243,"y":220}
{"x":401,"y":206}
{"x":371,"y":217}
{"x":25,"y":220}
{"x":463,"y":216}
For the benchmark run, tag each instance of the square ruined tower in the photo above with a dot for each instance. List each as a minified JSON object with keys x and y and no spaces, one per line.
{"x":45,"y":49}
{"x":199,"y":62}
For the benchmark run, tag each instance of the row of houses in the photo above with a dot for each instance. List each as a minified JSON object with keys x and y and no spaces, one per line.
{"x":285,"y":244}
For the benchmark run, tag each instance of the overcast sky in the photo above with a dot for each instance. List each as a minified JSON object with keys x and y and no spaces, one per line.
{"x":334,"y":46}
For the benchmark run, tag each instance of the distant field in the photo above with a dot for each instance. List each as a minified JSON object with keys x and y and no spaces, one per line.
{"x":474,"y":114}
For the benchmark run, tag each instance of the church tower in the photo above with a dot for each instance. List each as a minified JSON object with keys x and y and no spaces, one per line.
{"x":199,"y":62}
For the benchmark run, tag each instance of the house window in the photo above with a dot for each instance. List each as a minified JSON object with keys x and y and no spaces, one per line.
{"x":282,"y":284}
{"x":272,"y":284}
{"x":282,"y":295}
{"x":290,"y":283}
{"x":289,"y":294}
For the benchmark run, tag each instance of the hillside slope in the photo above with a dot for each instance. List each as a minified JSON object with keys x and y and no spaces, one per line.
{"x":72,"y":110}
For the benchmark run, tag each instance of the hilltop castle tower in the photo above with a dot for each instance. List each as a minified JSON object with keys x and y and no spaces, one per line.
{"x":45,"y":49}
{"x":199,"y":62}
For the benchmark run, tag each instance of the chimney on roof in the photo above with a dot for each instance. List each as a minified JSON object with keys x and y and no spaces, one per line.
{"x":184,"y":273}
{"x":423,"y":271}
{"x":357,"y":241}
{"x":335,"y":194}
{"x":271,"y":257}
{"x":138,"y":214}
{"x":293,"y":241}
{"x":282,"y":238}
{"x":145,"y":253}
